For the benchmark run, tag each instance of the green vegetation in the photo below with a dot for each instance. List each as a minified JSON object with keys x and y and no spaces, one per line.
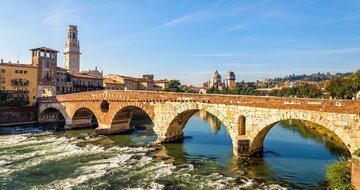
{"x":357,"y":153}
{"x":339,"y":175}
{"x":176,"y":86}
{"x":7,"y":100}
{"x":312,"y":77}
{"x":303,"y":91}
{"x":345,"y":87}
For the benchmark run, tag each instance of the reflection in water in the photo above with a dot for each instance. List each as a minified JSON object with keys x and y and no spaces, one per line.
{"x":293,"y":158}
{"x":215,"y":123}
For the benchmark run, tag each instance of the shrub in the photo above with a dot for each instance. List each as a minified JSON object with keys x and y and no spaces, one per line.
{"x":357,"y":153}
{"x":339,"y":175}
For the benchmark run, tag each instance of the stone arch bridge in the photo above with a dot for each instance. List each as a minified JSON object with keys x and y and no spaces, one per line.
{"x":247,"y":118}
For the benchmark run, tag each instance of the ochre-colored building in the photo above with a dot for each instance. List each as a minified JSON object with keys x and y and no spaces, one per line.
{"x":19,"y":80}
{"x":111,"y":84}
{"x":132,"y":83}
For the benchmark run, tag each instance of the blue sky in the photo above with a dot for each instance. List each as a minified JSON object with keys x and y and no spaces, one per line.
{"x":190,"y":39}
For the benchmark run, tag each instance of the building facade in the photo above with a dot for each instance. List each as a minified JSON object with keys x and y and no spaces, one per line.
{"x":63,"y":81}
{"x":230,"y":79}
{"x":83,"y":83}
{"x":132,"y":83}
{"x":45,"y":59}
{"x":111,"y":84}
{"x":18,"y":81}
{"x":215,"y":81}
{"x":72,"y":50}
{"x":162,"y":83}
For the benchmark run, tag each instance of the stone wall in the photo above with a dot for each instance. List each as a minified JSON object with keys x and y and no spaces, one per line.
{"x":18,"y":115}
{"x":355,"y":173}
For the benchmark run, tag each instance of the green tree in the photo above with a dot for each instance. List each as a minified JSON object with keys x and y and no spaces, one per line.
{"x":173,"y":86}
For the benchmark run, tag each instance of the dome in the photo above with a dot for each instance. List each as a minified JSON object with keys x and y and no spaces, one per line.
{"x":216,"y":76}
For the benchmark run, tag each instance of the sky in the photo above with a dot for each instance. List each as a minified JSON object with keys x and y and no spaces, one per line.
{"x":190,"y":39}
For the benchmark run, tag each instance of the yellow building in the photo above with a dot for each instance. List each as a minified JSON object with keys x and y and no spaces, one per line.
{"x":111,"y":84}
{"x":132,"y":83}
{"x":19,"y":80}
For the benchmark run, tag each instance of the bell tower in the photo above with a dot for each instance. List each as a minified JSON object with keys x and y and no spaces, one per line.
{"x":72,"y":50}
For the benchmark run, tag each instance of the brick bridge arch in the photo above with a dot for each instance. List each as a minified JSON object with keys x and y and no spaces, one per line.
{"x":258,"y":130}
{"x":82,"y":116}
{"x":44,"y":107}
{"x":177,"y":115}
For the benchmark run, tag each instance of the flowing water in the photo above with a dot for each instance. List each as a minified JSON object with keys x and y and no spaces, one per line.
{"x":38,"y":157}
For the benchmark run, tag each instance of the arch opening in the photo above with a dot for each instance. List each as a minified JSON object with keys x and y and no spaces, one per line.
{"x":132,"y":118}
{"x":84,"y":117}
{"x":298,"y":148}
{"x":199,"y":133}
{"x":51,"y":115}
{"x":308,"y":130}
{"x":175,"y":131}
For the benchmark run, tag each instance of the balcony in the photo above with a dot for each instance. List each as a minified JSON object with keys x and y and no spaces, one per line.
{"x":20,"y":82}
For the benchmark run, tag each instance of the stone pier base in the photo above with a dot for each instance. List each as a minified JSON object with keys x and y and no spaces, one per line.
{"x":102,"y":131}
{"x":355,"y":173}
{"x":172,"y":138}
{"x":241,"y":148}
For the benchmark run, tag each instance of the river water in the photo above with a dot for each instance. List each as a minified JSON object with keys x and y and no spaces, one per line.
{"x":40,"y":157}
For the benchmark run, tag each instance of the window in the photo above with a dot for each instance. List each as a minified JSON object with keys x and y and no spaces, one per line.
{"x":47,"y":76}
{"x":33,"y":97}
{"x":3,"y":70}
{"x":25,"y":72}
{"x":2,"y":80}
{"x":47,"y":64}
{"x":3,"y":88}
{"x":21,"y":71}
{"x":16,"y":71}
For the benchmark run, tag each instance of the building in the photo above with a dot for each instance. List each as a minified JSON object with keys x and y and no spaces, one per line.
{"x":111,"y":84}
{"x":132,"y":83}
{"x":215,"y":81}
{"x":230,"y":79}
{"x":18,"y":81}
{"x":45,"y":59}
{"x":63,"y":81}
{"x":163,"y":83}
{"x":72,"y":50}
{"x":84,"y":83}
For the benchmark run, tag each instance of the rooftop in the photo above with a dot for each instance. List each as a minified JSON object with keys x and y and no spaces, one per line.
{"x":111,"y":81}
{"x":79,"y":75}
{"x":17,"y":65}
{"x":44,"y":49}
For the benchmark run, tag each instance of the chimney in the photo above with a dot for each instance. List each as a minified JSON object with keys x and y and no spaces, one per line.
{"x":17,"y":62}
{"x":96,"y":68}
{"x":2,"y":61}
{"x":9,"y":61}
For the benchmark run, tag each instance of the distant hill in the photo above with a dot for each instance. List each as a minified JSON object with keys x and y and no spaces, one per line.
{"x":316,"y":77}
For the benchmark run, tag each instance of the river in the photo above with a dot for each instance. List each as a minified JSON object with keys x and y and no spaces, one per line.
{"x":43,"y":157}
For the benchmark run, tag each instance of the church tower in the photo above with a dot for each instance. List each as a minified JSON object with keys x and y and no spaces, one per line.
{"x":72,"y":50}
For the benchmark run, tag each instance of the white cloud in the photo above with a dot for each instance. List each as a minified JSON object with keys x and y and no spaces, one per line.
{"x":215,"y":11}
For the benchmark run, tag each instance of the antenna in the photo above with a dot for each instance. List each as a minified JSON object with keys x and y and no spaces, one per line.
{"x":18,"y":57}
